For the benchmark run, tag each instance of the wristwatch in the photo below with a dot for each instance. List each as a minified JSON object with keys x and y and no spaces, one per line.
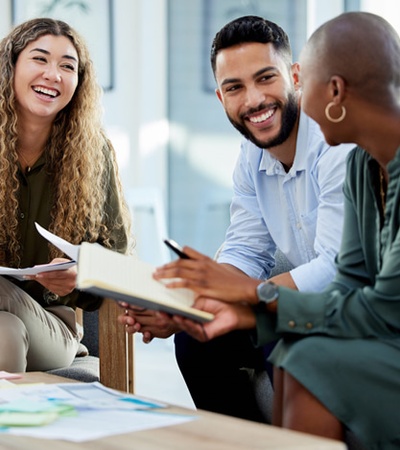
{"x":267,"y":292}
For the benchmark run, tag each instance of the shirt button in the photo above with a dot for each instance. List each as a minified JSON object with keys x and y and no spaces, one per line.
{"x":309,"y":325}
{"x":292,"y":323}
{"x":22,"y":215}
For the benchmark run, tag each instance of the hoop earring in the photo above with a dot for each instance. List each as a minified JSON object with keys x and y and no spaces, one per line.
{"x":328,"y":114}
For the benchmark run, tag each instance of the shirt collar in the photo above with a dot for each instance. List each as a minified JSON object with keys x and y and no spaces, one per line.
{"x":36,"y":167}
{"x":272,"y":166}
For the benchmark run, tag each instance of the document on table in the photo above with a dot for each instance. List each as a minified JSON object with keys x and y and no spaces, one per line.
{"x":98,"y":411}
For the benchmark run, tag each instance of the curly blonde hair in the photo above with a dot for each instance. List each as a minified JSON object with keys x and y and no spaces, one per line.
{"x":79,"y":157}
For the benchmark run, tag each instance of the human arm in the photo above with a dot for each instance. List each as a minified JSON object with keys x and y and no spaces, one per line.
{"x":60,"y":282}
{"x":208,"y":278}
{"x":152,"y":324}
{"x":227,"y":317}
{"x":364,"y":299}
{"x":321,"y":223}
{"x":300,"y":213}
{"x":248,"y":244}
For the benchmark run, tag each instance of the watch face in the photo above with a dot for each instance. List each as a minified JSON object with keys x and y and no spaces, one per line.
{"x":267,"y":292}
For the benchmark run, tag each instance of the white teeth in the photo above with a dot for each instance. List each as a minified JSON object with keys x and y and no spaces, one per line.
{"x":261,"y":118}
{"x":45,"y":91}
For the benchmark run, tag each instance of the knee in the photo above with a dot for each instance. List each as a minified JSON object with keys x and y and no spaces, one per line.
{"x":14,"y":343}
{"x":183,"y":348}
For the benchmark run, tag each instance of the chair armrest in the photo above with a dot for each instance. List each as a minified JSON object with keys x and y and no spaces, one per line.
{"x":116,"y":350}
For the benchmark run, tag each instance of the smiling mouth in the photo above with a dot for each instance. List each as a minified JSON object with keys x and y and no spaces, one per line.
{"x":46,"y":91}
{"x":262,"y":117}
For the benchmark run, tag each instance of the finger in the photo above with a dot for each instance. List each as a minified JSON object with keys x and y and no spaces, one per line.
{"x":194,"y":254}
{"x":147,"y":337}
{"x":193,"y":329}
{"x":125,"y":320}
{"x":183,"y":267}
{"x":136,"y":308}
{"x":130,"y":329}
{"x":57,"y":275}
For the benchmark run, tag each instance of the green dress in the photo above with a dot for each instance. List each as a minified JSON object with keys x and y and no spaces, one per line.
{"x":343,"y":344}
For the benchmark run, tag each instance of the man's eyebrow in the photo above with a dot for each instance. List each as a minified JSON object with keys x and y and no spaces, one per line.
{"x":257,"y":74}
{"x":230,"y":80}
{"x":265,"y":69}
{"x":41,"y":50}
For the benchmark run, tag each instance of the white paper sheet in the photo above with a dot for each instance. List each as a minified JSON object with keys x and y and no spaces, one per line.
{"x":20,"y":273}
{"x":69,"y":249}
{"x":101,"y":411}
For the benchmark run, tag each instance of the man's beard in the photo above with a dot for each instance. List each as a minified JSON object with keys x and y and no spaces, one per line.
{"x":290,"y":113}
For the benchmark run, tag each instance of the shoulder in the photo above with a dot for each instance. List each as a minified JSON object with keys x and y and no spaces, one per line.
{"x":357,"y":174}
{"x":250,"y":154}
{"x":358,"y":161}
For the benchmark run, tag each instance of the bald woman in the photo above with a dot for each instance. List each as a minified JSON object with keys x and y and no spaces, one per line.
{"x":343,"y":367}
{"x":337,"y":364}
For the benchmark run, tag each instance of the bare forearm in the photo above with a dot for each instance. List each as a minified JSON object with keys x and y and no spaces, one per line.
{"x":284,"y":279}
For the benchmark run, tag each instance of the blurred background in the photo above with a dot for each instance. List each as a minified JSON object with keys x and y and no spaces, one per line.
{"x":176,"y":149}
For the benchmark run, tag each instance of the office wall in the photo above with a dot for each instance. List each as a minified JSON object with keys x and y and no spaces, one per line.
{"x":170,"y":132}
{"x":203,"y":144}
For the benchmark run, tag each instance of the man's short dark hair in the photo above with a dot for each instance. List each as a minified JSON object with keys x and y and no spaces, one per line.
{"x":251,"y":29}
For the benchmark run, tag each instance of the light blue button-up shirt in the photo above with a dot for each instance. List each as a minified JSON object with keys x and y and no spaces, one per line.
{"x":299,"y":212}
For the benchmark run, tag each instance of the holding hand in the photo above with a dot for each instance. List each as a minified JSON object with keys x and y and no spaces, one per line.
{"x":227,"y":317}
{"x":150,"y":323}
{"x":60,"y":282}
{"x":209,"y":278}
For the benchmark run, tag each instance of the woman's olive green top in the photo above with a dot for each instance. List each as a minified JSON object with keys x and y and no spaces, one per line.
{"x":343,"y":344}
{"x":35,"y":201}
{"x":364,"y":298}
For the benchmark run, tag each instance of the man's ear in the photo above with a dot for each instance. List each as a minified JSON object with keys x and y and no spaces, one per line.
{"x":295,"y":70}
{"x":218,"y":92}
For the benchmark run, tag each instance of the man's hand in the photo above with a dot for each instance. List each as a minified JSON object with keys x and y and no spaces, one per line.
{"x":150,"y":323}
{"x":60,"y":282}
{"x":227,"y":317}
{"x":208,"y":278}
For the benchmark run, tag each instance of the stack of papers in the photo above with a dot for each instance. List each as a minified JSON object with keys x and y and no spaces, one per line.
{"x":77,"y":411}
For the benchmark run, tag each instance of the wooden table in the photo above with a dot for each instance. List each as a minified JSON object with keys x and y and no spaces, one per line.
{"x":210,"y":431}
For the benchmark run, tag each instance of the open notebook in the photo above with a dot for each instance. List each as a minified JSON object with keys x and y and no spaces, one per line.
{"x":122,"y":277}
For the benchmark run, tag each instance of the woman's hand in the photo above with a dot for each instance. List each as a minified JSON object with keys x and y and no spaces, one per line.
{"x":227,"y":317}
{"x":209,"y":278}
{"x":150,"y":323}
{"x":60,"y":282}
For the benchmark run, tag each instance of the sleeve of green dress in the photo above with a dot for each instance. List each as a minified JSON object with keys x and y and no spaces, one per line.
{"x":364,"y":299}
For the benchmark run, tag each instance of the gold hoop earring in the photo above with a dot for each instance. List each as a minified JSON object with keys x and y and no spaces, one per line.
{"x":328,"y":114}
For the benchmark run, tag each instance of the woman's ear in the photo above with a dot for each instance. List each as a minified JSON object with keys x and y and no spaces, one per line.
{"x":337,"y":89}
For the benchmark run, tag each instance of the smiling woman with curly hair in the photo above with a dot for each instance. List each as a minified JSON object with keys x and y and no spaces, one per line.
{"x":57,"y":168}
